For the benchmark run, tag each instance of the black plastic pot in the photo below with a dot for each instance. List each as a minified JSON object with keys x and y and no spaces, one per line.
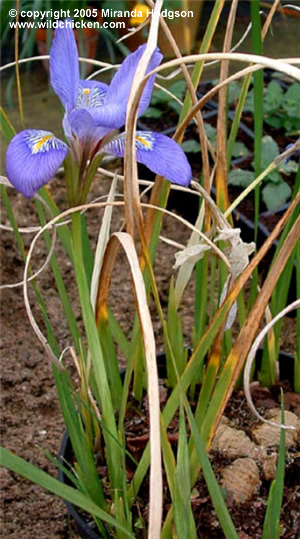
{"x":286,"y":365}
{"x":87,"y":529}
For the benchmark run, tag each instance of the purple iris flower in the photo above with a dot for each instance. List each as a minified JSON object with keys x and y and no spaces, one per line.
{"x":93,"y":110}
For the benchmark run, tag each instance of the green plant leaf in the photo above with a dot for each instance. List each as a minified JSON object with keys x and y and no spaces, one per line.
{"x":191,"y":146}
{"x":272,"y":519}
{"x":274,"y":177}
{"x":291,"y":100}
{"x":234,"y":90}
{"x":210,"y":478}
{"x":273,"y":97}
{"x":152,"y":112}
{"x":178,"y":88}
{"x":174,"y":343}
{"x":211,"y":133}
{"x":159,"y":96}
{"x":249,"y":103}
{"x":183,"y":517}
{"x":6,"y":128}
{"x":275,"y":195}
{"x":240,"y":150}
{"x":86,"y":467}
{"x":270,"y":150}
{"x":240,"y":177}
{"x":99,"y":381}
{"x":276,"y":121}
{"x":291,"y":125}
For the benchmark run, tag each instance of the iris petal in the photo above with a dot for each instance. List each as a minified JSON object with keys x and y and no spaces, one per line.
{"x":33,"y":156}
{"x":64,"y":66}
{"x":91,"y":93}
{"x":113,"y":112}
{"x":81,"y":123}
{"x":159,"y":153}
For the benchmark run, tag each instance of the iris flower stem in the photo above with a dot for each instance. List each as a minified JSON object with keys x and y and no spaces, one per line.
{"x":98,"y":379}
{"x":71,"y":177}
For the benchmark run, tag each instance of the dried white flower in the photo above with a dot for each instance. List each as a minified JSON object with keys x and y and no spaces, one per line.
{"x":191,"y":254}
{"x":239,"y":251}
{"x":233,"y":235}
{"x":238,"y":256}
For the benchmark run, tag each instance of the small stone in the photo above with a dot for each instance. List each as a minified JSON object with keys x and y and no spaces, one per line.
{"x":241,"y":480}
{"x":269,"y":463}
{"x":233,"y":443}
{"x":269,"y":436}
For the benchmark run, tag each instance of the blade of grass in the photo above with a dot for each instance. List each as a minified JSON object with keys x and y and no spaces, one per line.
{"x":68,"y":311}
{"x":6,"y":128}
{"x":175,"y":339}
{"x":29,"y":471}
{"x":251,"y":357}
{"x":99,"y":376}
{"x":272,"y":518}
{"x":244,"y":91}
{"x":86,"y":466}
{"x":183,"y":516}
{"x":118,"y":334}
{"x":87,"y":251}
{"x":103,"y":237}
{"x":210,"y":479}
{"x":160,"y":192}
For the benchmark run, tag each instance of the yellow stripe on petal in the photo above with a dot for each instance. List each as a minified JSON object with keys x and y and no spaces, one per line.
{"x":146,"y":143}
{"x":40,"y":143}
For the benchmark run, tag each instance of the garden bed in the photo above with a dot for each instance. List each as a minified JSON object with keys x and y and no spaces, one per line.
{"x":32,"y":415}
{"x":29,"y":402}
